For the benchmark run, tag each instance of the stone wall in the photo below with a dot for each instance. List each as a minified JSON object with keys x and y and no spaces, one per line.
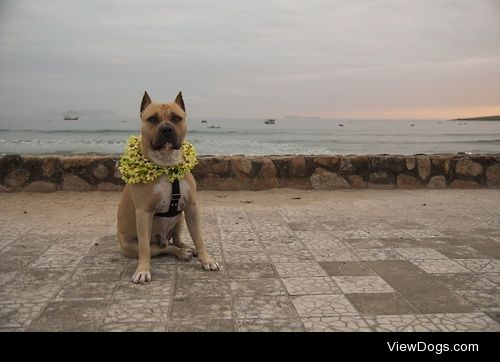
{"x":87,"y":173}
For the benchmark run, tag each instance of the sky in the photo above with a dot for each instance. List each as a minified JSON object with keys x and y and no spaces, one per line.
{"x":358,"y":59}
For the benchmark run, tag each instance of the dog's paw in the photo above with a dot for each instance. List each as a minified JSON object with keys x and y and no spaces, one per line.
{"x":141,"y":276}
{"x":185,"y":254}
{"x":209,"y":263}
{"x":187,"y":247}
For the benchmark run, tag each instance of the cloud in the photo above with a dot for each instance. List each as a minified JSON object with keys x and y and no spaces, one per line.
{"x":249,"y":59}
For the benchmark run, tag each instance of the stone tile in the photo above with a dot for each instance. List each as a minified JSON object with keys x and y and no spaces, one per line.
{"x":138,"y":311}
{"x":401,"y":323}
{"x":290,"y":256}
{"x":464,"y":322}
{"x":322,"y":305}
{"x":263,"y":307}
{"x":194,"y":270}
{"x":201,"y":325}
{"x":423,"y":233}
{"x":364,"y":243}
{"x":44,"y":275}
{"x":481,"y":298}
{"x":443,"y":301}
{"x":347,"y":268}
{"x":301,"y":269}
{"x":339,"y":323}
{"x":460,"y":252}
{"x":400,"y":242}
{"x":244,"y":247}
{"x":85,"y":291}
{"x":342,"y":254}
{"x":201,"y":308}
{"x":362,"y":284}
{"x":104,"y":260}
{"x":96,"y":275}
{"x":71,"y":316}
{"x":420,"y":253}
{"x":261,"y":286}
{"x":476,"y":265}
{"x":20,"y":291}
{"x":440,"y":266}
{"x":68,"y":261}
{"x":465,"y":281}
{"x":381,"y":303}
{"x":6,"y":277}
{"x":302,"y":226}
{"x":134,"y":327}
{"x":201,"y":288}
{"x":350,"y":234}
{"x":494,"y":277}
{"x":250,"y":270}
{"x":310,"y":285}
{"x":486,"y":247}
{"x":378,"y":254}
{"x":17,"y":315}
{"x":269,"y":325}
{"x":245,"y":257}
{"x":156,"y":289}
{"x":323,"y":244}
{"x":14,"y":263}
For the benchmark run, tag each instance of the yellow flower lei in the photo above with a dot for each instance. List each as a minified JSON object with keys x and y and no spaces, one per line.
{"x":135,"y":169}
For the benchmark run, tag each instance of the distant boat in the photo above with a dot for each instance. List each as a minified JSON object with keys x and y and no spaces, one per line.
{"x":269,"y":121}
{"x":412,"y":125}
{"x":71,"y":118}
{"x":203,"y":121}
{"x":213,"y":126}
{"x":341,"y":125}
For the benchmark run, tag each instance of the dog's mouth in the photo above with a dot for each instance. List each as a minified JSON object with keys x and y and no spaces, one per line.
{"x":160,"y":144}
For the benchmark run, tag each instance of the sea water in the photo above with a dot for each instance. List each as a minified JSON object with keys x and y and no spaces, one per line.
{"x":108,"y":135}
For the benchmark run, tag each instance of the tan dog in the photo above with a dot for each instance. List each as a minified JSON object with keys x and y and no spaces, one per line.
{"x":140,"y":233}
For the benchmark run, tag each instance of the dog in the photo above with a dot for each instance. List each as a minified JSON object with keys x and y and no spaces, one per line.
{"x":141,"y":233}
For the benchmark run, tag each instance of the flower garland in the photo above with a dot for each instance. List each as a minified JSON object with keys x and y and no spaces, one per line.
{"x":135,"y":169}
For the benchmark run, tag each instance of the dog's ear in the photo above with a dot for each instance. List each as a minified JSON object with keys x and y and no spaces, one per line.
{"x":145,"y":101}
{"x":180,"y":101}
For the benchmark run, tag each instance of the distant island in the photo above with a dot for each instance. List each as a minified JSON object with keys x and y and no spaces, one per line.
{"x":301,"y":117}
{"x":487,"y":118}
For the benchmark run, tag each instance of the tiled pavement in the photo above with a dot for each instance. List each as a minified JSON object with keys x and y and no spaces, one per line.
{"x":345,"y":261}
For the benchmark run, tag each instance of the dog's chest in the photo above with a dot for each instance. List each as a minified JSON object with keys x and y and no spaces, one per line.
{"x":164,"y":190}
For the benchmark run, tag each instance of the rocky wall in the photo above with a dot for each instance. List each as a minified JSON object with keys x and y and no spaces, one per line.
{"x":325,"y":172}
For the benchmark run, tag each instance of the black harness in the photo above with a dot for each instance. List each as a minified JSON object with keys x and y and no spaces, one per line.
{"x":174,"y":201}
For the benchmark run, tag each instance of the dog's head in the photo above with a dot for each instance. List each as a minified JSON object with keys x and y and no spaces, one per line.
{"x":163,"y":129}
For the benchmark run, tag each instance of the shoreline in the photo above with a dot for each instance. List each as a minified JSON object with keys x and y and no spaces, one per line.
{"x":33,"y":173}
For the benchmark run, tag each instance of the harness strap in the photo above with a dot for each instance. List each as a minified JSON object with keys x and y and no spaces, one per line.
{"x":174,"y":201}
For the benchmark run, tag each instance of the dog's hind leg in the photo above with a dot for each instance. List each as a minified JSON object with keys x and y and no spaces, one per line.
{"x":177,"y":238}
{"x":130,"y":249}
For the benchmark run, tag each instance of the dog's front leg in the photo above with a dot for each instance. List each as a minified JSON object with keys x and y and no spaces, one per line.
{"x":144,"y":220}
{"x":193,"y":224}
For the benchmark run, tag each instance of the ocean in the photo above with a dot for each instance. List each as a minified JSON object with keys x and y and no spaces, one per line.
{"x":108,"y":135}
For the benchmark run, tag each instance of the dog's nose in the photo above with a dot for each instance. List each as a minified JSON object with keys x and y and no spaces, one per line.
{"x":166,"y":129}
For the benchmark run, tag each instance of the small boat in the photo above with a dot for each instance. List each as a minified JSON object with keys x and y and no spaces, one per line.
{"x":341,"y":125}
{"x":71,"y":118}
{"x":269,"y":121}
{"x":203,"y":121}
{"x":412,"y":125}
{"x":213,"y":126}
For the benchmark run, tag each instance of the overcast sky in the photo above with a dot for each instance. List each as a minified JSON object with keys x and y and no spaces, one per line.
{"x":334,"y":59}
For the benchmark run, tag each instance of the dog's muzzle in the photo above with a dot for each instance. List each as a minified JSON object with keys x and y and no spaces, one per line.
{"x":165,"y":134}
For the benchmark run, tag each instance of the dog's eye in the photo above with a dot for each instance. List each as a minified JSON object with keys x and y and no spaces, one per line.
{"x":152,"y":120}
{"x":176,"y":118}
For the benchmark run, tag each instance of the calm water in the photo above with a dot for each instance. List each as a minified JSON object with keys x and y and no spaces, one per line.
{"x":253,"y":137}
